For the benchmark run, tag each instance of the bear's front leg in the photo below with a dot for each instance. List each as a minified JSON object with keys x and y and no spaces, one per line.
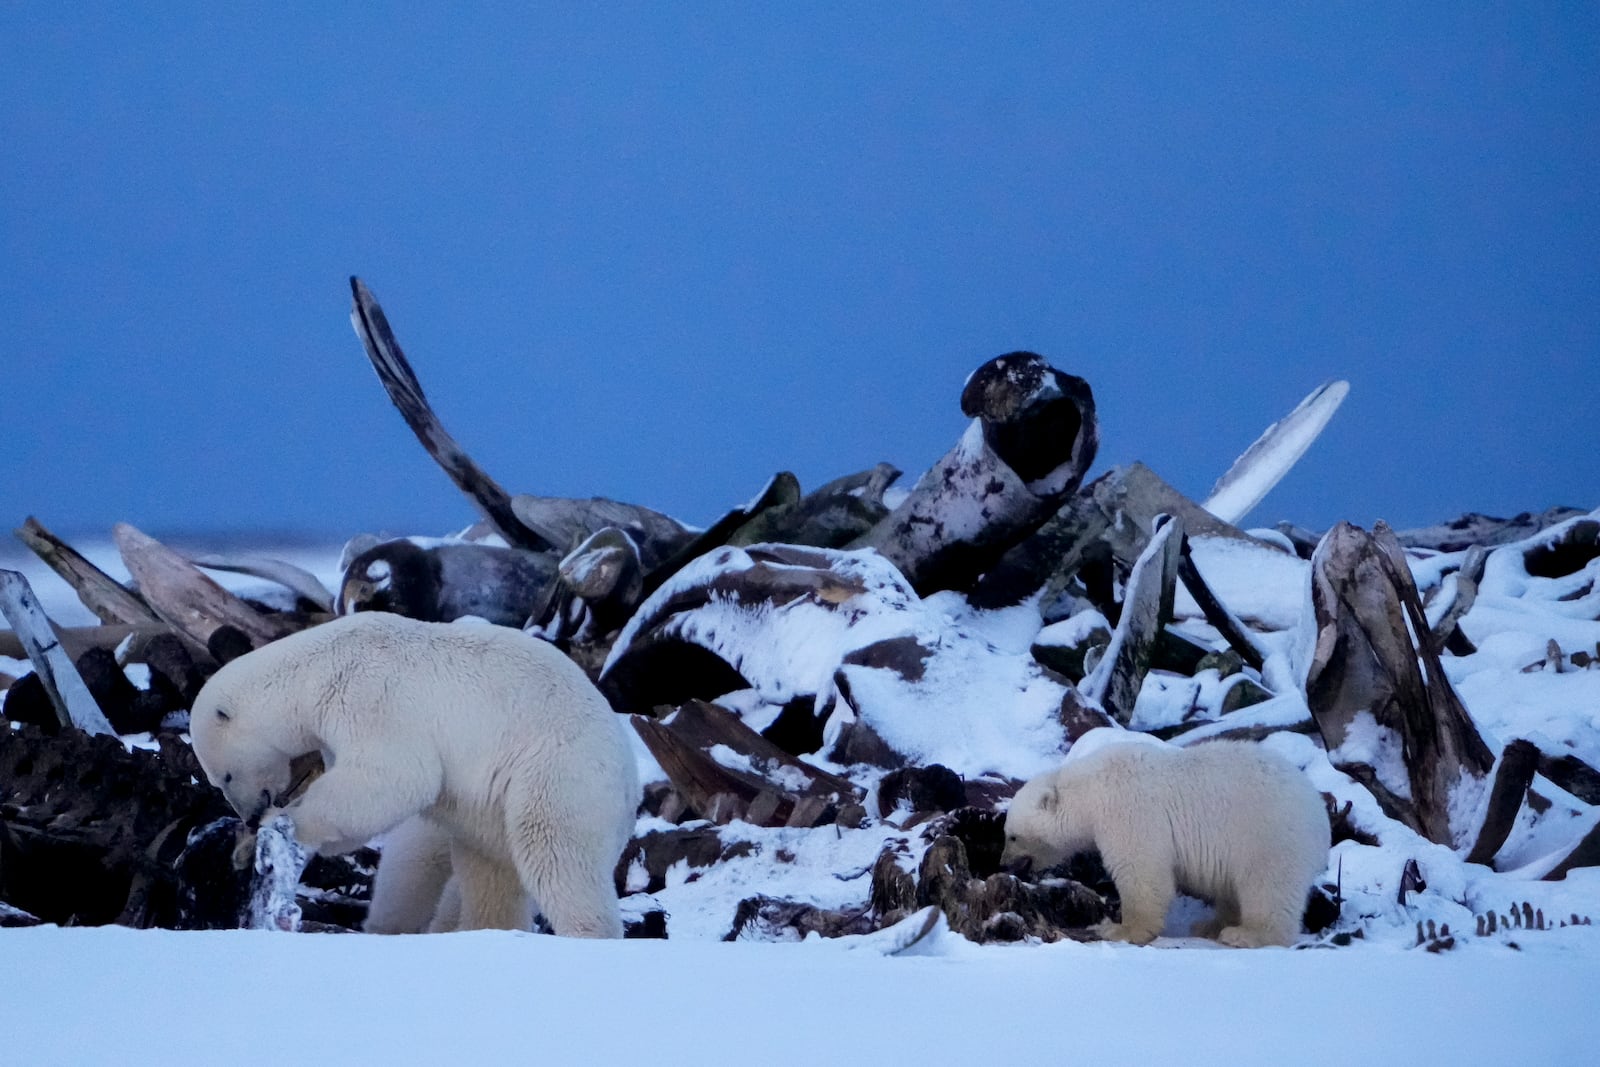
{"x":411,"y":878}
{"x":1147,"y":886}
{"x":353,"y":802}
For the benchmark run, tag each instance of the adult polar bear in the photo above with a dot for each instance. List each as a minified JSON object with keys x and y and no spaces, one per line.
{"x":1225,"y":820}
{"x":497,"y":740}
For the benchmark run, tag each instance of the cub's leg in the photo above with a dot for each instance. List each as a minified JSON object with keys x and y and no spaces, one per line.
{"x":1146,"y":885}
{"x":1270,"y":910}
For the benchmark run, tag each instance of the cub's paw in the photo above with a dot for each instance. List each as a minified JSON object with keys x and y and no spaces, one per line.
{"x":1110,"y":931}
{"x":1249,"y":937}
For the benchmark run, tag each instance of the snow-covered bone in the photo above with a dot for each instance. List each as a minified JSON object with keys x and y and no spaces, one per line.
{"x":68,"y":694}
{"x":1114,"y":683}
{"x":791,"y":622}
{"x":279,"y":859}
{"x":1279,"y":447}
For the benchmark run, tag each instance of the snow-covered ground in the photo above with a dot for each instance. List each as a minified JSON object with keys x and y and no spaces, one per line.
{"x":1517,"y":995}
{"x":118,"y":996}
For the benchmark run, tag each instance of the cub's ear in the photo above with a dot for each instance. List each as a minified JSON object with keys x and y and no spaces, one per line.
{"x":1049,"y":799}
{"x":224,"y":716}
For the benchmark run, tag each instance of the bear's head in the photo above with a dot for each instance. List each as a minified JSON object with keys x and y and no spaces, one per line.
{"x":1035,"y":829}
{"x":246,"y":744}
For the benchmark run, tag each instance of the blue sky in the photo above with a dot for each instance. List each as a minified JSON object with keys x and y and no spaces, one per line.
{"x":659,"y":252}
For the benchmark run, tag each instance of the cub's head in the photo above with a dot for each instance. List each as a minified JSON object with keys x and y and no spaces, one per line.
{"x":1035,"y":830}
{"x":244,"y":745}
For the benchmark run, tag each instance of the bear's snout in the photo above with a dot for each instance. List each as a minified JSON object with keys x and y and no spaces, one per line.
{"x":253,"y":820}
{"x":1021,"y":867}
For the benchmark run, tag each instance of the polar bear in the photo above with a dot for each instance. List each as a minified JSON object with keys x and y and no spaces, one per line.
{"x":495,"y":739}
{"x":1224,"y":820}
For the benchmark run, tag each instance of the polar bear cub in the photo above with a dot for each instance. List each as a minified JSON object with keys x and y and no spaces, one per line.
{"x":498,"y":742}
{"x":1224,"y":820}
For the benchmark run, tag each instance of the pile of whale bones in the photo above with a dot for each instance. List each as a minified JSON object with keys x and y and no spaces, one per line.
{"x":759,"y":658}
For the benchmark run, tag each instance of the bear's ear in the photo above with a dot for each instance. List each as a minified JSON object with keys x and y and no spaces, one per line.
{"x":1049,"y":799}
{"x":224,"y":716}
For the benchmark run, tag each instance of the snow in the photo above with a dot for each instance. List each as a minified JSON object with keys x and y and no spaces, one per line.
{"x":247,"y":997}
{"x":1379,"y":747}
{"x":1260,"y":585}
{"x":1073,"y":630}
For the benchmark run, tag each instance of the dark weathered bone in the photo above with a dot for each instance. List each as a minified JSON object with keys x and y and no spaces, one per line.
{"x":98,"y":591}
{"x":400,"y":382}
{"x":1513,"y":773}
{"x":1475,"y":529}
{"x":829,"y":517}
{"x":442,"y":582}
{"x":782,"y":491}
{"x":1572,"y":774}
{"x":1446,"y":633}
{"x":1034,"y":436}
{"x":187,"y":600}
{"x":567,"y":523}
{"x":1365,"y":663}
{"x":705,"y":725}
{"x":764,"y":795}
{"x":299,"y":581}
{"x":1114,"y":513}
{"x":606,"y":574}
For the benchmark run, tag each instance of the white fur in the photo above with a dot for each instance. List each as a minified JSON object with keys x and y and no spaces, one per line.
{"x":411,"y":878}
{"x":512,"y":757}
{"x":1226,"y":820}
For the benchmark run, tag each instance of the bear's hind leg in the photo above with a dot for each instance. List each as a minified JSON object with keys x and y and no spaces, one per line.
{"x":492,"y":895}
{"x":1267,"y":916}
{"x":566,"y":874}
{"x":447,"y":918}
